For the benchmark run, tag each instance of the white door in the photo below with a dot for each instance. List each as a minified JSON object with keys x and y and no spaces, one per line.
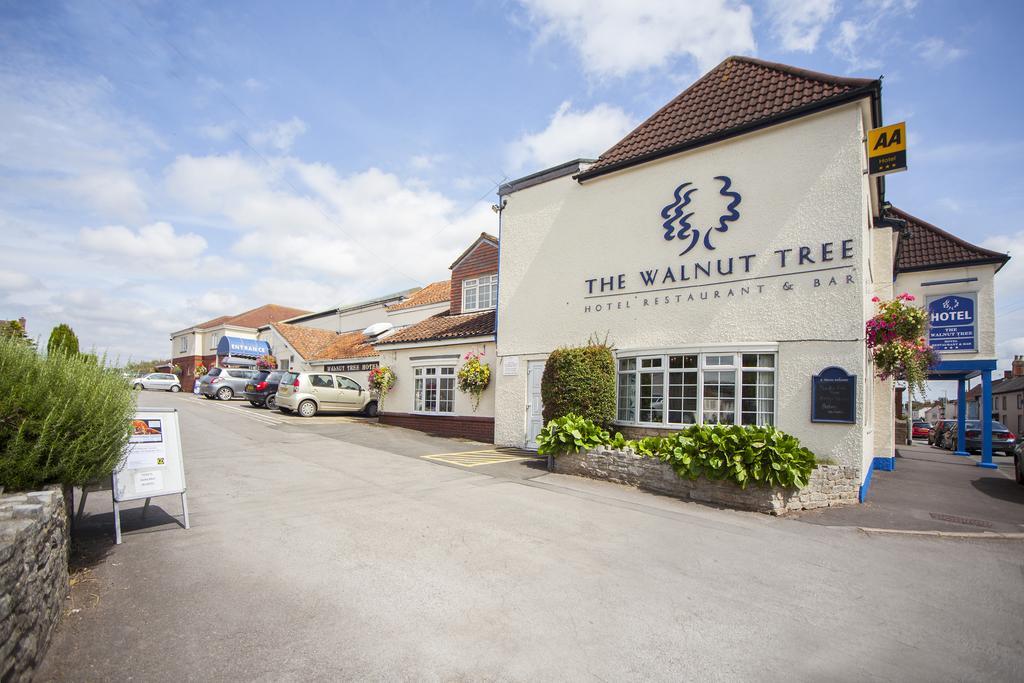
{"x":535,"y":406}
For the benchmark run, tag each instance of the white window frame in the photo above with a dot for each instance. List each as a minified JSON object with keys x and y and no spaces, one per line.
{"x":214,"y":340}
{"x":704,"y":356}
{"x":439,"y":372}
{"x":476,"y":285}
{"x":183,"y":346}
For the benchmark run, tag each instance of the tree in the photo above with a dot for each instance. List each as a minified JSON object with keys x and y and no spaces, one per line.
{"x":62,"y":340}
{"x":14,"y":330}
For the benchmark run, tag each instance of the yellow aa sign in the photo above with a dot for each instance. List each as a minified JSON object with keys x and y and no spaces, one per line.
{"x":887,"y":149}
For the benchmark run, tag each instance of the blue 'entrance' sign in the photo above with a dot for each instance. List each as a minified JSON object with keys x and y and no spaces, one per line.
{"x":952,"y":323}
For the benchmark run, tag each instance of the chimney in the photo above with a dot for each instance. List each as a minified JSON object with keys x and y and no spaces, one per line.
{"x":1018,"y":366}
{"x":24,"y":324}
{"x":1007,"y":374}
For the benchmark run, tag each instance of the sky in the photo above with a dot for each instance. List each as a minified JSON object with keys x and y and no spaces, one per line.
{"x":163,"y":163}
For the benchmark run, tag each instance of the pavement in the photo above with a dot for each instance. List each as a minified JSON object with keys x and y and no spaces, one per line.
{"x":334,"y":549}
{"x":933,"y":490}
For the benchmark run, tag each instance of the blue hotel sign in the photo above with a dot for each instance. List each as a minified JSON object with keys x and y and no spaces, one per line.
{"x":952,"y":324}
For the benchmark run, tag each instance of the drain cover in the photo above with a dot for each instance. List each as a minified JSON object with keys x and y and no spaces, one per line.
{"x":961,"y":520}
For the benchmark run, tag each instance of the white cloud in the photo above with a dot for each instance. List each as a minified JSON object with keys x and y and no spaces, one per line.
{"x":426,"y":162}
{"x":216,"y":302}
{"x":937,"y":52}
{"x":373,"y":228}
{"x":113,"y":193}
{"x":1009,"y":296}
{"x":157,"y":241}
{"x":253,"y":85}
{"x":280,"y":136}
{"x":867,"y":30}
{"x":218,"y":132}
{"x":847,"y":45}
{"x":570,"y":135}
{"x":615,"y":38}
{"x":798,"y":23}
{"x":950,"y":204}
{"x":12,"y":281}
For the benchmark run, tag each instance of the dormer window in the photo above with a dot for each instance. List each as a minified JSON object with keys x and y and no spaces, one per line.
{"x":479,"y":294}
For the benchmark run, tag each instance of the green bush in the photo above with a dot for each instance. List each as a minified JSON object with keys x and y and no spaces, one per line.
{"x":63,"y":419}
{"x":571,"y":434}
{"x":580,"y":380}
{"x":764,"y":456}
{"x":62,"y":340}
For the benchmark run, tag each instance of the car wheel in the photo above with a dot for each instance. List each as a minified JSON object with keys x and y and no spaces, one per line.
{"x":371,"y":409}
{"x":138,"y":387}
{"x":175,"y":389}
{"x":307,"y":408}
{"x":271,"y":402}
{"x":225,"y":393}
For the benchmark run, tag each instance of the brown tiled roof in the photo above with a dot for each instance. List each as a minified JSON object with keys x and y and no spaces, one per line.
{"x":434,"y":293}
{"x":445,"y":326}
{"x":268,"y":313}
{"x":483,"y":236}
{"x":211,"y":323}
{"x":346,"y":345}
{"x":315,"y":344}
{"x":925,"y":246}
{"x":738,"y":95}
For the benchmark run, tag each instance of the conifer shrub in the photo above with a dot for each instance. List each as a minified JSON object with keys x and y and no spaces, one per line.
{"x":63,"y":419}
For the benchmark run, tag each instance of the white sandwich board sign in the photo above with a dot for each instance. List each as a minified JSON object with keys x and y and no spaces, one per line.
{"x":152,"y":465}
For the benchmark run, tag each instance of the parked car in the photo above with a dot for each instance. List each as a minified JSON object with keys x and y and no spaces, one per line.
{"x":1002,"y":438}
{"x":920,"y":429}
{"x":308,"y":393}
{"x":1018,"y":460}
{"x":937,"y":435}
{"x":261,"y":390}
{"x":164,"y":381}
{"x":225,"y":383}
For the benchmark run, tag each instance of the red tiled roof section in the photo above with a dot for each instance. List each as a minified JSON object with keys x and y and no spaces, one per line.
{"x":740,"y":92}
{"x":315,"y":344}
{"x":346,"y":345}
{"x":264,"y":315}
{"x":211,"y":323}
{"x":306,"y":340}
{"x":926,"y":246}
{"x":445,"y":326}
{"x":434,"y":293}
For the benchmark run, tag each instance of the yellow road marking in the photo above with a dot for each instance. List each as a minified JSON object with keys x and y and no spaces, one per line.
{"x":476,"y":458}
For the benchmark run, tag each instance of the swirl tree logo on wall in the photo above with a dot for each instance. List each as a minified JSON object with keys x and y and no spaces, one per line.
{"x":677,"y":219}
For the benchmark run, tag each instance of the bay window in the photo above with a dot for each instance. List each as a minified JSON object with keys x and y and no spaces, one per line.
{"x":434,"y":389}
{"x":674,"y":390}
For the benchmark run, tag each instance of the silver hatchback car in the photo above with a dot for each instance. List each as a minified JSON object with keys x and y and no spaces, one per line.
{"x":309,"y":393}
{"x":225,"y":383}
{"x":164,"y":381}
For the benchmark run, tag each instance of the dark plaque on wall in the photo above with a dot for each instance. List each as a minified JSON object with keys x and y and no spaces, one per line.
{"x":834,"y":396}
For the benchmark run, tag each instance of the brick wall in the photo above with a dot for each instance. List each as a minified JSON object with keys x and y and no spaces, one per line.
{"x":483,"y":260}
{"x":476,"y":428}
{"x":188,"y":367}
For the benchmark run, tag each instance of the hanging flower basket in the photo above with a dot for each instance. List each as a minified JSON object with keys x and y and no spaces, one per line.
{"x":473,"y":377}
{"x":201,"y":370}
{"x":381,"y":379}
{"x":896,"y":337}
{"x":266,"y":362}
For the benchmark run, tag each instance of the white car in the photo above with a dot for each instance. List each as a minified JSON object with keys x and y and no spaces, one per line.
{"x":164,"y":381}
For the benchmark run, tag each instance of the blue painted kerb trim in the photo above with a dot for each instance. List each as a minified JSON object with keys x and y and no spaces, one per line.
{"x":884,"y":464}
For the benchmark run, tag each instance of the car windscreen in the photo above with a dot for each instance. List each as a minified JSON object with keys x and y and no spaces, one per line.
{"x":288,"y":377}
{"x":261,"y":375}
{"x":999,"y":427}
{"x":274,"y":376}
{"x":214,"y":372}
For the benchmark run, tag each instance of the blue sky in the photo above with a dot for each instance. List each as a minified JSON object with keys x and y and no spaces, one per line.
{"x":313,"y":154}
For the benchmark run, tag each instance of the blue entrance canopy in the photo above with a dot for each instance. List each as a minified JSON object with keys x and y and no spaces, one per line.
{"x":961,"y":371}
{"x":242,"y":348}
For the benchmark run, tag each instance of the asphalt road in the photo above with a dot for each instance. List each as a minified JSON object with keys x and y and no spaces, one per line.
{"x":332,"y":550}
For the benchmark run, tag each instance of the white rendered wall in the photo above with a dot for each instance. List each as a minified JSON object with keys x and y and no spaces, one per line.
{"x":403,"y":361}
{"x":802,"y":184}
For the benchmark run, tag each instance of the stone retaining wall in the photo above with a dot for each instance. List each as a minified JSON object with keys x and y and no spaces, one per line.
{"x":33,"y":578}
{"x":830,"y":485}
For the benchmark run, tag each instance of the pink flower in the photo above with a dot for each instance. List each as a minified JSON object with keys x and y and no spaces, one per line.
{"x":875,"y":299}
{"x":910,"y":297}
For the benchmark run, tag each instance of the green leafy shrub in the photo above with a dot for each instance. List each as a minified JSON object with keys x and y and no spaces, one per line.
{"x":63,"y":419}
{"x":763,"y":456}
{"x":580,"y":380}
{"x":62,"y":340}
{"x":571,"y":434}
